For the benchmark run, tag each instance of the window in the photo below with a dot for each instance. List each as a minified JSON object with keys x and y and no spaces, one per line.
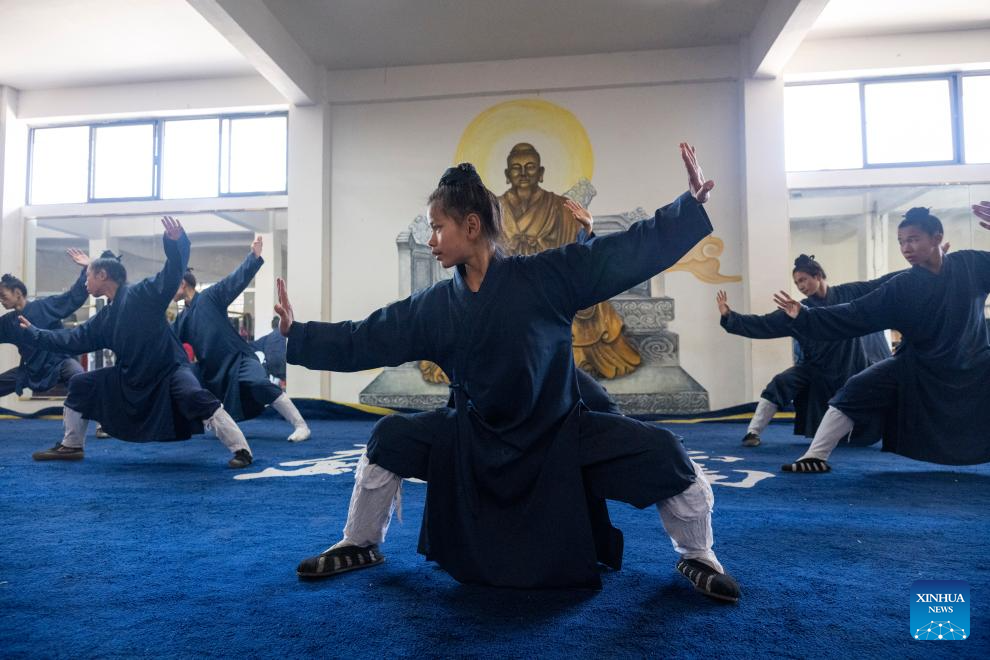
{"x":917,"y":120}
{"x":908,"y":122}
{"x":59,"y":165}
{"x":124,"y":161}
{"x":976,"y":118}
{"x":821,"y":124}
{"x":191,"y":158}
{"x":159,"y":159}
{"x":255,"y":154}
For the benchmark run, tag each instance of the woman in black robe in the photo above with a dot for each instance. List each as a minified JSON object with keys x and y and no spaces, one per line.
{"x":824,"y":367}
{"x":512,"y":466}
{"x":39,"y":370}
{"x":150,"y":394}
{"x":227,"y":364}
{"x":933,"y":393}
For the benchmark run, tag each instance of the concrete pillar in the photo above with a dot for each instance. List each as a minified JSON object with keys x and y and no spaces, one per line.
{"x":308,"y":255}
{"x":766,"y":223}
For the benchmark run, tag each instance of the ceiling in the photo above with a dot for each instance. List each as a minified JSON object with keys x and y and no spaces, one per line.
{"x":358,"y":34}
{"x":75,"y":43}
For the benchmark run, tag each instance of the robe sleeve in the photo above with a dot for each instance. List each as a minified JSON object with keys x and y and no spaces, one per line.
{"x":393,"y":335}
{"x":859,"y":289}
{"x":64,"y":304}
{"x":758,"y":326}
{"x":226,"y":290}
{"x":83,"y":338}
{"x":980,"y":261}
{"x":164,"y":285}
{"x":873,"y":312}
{"x":597,"y":269}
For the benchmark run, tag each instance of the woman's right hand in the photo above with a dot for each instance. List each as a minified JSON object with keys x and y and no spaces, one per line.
{"x":284,"y":308}
{"x":722,"y":300}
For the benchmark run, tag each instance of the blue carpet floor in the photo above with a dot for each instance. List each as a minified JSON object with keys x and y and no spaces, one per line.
{"x":158,"y":550}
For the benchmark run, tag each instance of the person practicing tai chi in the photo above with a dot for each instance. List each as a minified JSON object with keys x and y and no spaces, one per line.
{"x":227,"y":364}
{"x":825,"y":365}
{"x":512,"y":465}
{"x":150,"y":394}
{"x":933,"y":393}
{"x":39,"y":370}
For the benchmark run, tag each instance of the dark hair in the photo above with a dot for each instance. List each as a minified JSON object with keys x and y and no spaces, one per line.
{"x":461,"y":191}
{"x":275,"y":321}
{"x":110,"y":264}
{"x":189,"y":278}
{"x":807,"y":264}
{"x":921,"y":217}
{"x":8,"y":281}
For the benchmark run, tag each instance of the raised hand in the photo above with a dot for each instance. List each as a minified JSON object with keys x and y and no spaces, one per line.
{"x":982,"y":211}
{"x":24,"y":322}
{"x":256,"y":246}
{"x":283,"y":308}
{"x":173,"y":230}
{"x":946,"y":247}
{"x":722,"y":300}
{"x":78,"y":256}
{"x":581,"y":214}
{"x":784,"y":302}
{"x":699,"y":187}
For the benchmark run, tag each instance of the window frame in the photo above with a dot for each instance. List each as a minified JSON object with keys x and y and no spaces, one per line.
{"x":159,"y":154}
{"x":955,"y":81}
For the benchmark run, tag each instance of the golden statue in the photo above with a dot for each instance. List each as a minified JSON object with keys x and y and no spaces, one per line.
{"x":534,"y":220}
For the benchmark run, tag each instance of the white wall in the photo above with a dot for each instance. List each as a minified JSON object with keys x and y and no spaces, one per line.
{"x":388,"y":156}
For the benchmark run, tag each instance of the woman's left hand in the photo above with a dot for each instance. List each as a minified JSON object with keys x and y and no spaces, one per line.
{"x":700,"y":187}
{"x":581,"y":214}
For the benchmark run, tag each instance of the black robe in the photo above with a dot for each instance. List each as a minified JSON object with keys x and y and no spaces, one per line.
{"x":509,"y":490}
{"x":219,"y":349}
{"x":943,"y":363}
{"x":132,"y":399}
{"x":39,"y":369}
{"x":831,"y":363}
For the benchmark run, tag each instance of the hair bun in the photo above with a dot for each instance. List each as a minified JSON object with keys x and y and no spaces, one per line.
{"x":917,"y":213}
{"x":463,"y":173}
{"x":804,"y":260}
{"x":107,"y":254}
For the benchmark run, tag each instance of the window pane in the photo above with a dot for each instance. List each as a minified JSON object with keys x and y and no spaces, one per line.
{"x":976,"y":118}
{"x":908,"y":122}
{"x":60,"y":165}
{"x":123,"y":161}
{"x":822,"y":127}
{"x":190,"y":158}
{"x":257,"y":154}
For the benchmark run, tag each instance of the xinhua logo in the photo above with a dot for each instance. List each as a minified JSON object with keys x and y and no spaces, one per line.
{"x":940,"y":610}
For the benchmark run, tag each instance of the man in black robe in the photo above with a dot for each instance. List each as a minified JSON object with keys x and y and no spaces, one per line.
{"x":933,"y":392}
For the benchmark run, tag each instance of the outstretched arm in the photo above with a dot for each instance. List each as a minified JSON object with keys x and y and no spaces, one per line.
{"x":226,"y":290}
{"x":64,"y":304}
{"x":605,"y":266}
{"x":391,"y":336}
{"x":873,"y":312}
{"x":755,"y":326}
{"x":176,"y":244}
{"x":83,"y":338}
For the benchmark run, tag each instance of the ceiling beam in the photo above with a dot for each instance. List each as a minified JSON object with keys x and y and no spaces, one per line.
{"x":778,"y":33}
{"x":254,"y":31}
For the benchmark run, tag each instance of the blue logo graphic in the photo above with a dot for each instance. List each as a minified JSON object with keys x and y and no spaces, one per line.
{"x":940,"y":610}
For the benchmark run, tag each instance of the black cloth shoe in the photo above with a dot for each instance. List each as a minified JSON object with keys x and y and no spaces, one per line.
{"x":339,"y":560}
{"x":709,"y":581}
{"x":807,"y":465}
{"x":59,"y":453}
{"x":751,"y":440}
{"x":242,"y":458}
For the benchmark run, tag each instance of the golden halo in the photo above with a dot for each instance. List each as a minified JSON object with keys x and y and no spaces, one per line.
{"x":565,"y":150}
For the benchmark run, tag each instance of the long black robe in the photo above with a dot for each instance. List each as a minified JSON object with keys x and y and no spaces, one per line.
{"x":39,"y":369}
{"x":508,"y":491}
{"x":830,"y":363}
{"x":943,"y":363}
{"x":132,"y":399}
{"x":204,"y":325}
